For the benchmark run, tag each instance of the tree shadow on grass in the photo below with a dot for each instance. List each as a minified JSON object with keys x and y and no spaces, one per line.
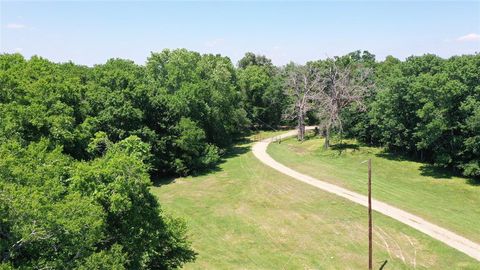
{"x":445,"y":173}
{"x":473,"y":181}
{"x":436,"y":172}
{"x":394,"y":156}
{"x":427,"y":169}
{"x":239,"y":147}
{"x":345,"y":146}
{"x":309,"y":135}
{"x":159,"y":181}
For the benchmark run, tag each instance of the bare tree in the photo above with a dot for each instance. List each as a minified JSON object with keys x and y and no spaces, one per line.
{"x":303,"y":85}
{"x":344,"y":86}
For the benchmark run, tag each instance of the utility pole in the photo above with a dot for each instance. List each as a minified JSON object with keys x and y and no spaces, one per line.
{"x":370,"y":214}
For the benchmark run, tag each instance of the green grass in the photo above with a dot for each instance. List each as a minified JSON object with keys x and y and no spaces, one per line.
{"x":245,"y":215}
{"x":436,"y":195}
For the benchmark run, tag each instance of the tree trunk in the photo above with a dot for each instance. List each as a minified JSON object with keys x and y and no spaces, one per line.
{"x":327,"y":139}
{"x":301,"y":128}
{"x":303,"y":131}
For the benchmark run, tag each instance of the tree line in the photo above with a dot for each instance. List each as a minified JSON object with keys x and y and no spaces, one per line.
{"x":79,"y":145}
{"x":426,"y":107}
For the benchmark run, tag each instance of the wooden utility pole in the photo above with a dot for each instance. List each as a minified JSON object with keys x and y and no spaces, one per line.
{"x":370,"y":214}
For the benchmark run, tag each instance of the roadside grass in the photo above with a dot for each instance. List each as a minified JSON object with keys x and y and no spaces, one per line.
{"x":245,"y":215}
{"x":436,"y":195}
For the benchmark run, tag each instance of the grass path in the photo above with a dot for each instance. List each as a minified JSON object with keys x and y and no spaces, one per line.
{"x":246,"y":215}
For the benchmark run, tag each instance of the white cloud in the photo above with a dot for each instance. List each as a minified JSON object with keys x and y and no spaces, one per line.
{"x":469,"y":37}
{"x":18,"y":50}
{"x":15,"y":26}
{"x":214,"y":42}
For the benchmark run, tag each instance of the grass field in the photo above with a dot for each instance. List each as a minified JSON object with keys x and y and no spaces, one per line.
{"x":245,"y":215}
{"x":438,"y":196}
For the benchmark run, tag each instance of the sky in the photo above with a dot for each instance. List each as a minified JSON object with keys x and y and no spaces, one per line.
{"x":90,"y":32}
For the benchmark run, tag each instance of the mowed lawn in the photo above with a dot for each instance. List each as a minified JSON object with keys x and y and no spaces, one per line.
{"x":245,"y":215}
{"x":446,"y":200}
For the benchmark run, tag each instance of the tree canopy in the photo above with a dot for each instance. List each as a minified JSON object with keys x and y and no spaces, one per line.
{"x":79,"y":146}
{"x":426,"y":107}
{"x":98,"y":214}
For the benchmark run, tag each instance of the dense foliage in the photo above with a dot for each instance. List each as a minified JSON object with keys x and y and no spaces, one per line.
{"x":428,"y":108}
{"x":425,"y":107}
{"x":79,"y":144}
{"x":183,"y":104}
{"x":262,"y":88}
{"x":60,"y":213}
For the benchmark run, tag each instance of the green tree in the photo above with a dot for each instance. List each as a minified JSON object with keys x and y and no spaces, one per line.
{"x":261,"y":85}
{"x":60,"y":213}
{"x":43,"y":222}
{"x":252,"y":59}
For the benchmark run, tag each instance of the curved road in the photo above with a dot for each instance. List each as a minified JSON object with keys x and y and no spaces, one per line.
{"x":450,"y":238}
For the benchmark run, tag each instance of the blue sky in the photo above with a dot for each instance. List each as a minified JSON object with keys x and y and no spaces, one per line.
{"x":91,"y":32}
